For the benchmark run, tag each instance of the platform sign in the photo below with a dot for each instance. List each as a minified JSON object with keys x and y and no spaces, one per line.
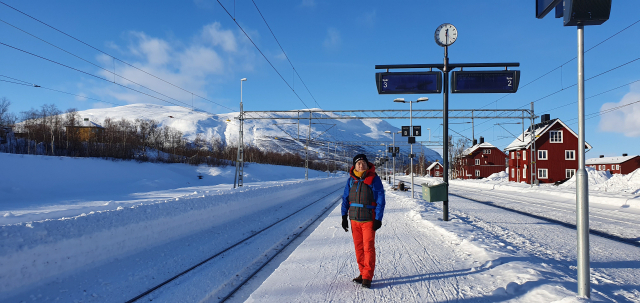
{"x":412,"y":140}
{"x":409,"y":83}
{"x":417,"y":130}
{"x":485,"y":81}
{"x":543,"y":7}
{"x":390,"y":150}
{"x":405,"y":131}
{"x":397,"y":149}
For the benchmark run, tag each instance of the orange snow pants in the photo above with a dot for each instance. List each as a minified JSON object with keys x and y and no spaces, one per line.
{"x":364,"y":239}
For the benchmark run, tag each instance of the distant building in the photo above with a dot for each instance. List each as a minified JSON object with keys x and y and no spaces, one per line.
{"x":616,"y":165}
{"x":480,"y":161}
{"x":86,"y":132}
{"x":435,"y":169}
{"x":556,"y":148}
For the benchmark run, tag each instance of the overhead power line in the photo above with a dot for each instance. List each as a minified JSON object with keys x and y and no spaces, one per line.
{"x":98,"y":66}
{"x":563,"y":64}
{"x":285,"y":54}
{"x":25,"y":83}
{"x":263,"y":55}
{"x":565,"y":88}
{"x":90,"y":74}
{"x":115,"y":58}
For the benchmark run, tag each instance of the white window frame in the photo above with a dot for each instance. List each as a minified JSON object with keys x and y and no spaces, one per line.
{"x":513,"y":155}
{"x":554,"y":139}
{"x":513,"y":173}
{"x":524,"y":173}
{"x":546,"y":154}
{"x":477,"y":161}
{"x":571,"y":152}
{"x":524,"y":155}
{"x":568,"y":173}
{"x":543,"y":173}
{"x":437,"y":173}
{"x":486,"y":151}
{"x":477,"y":173}
{"x":617,"y":167}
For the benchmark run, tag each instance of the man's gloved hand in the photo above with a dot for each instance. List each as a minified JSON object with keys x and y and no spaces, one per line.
{"x":377,"y":224}
{"x":345,"y":223}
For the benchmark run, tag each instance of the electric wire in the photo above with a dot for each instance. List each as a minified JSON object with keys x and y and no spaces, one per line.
{"x":261,"y":53}
{"x":287,"y":57}
{"x":115,"y":58}
{"x":101,"y":78}
{"x":563,"y":64}
{"x":285,"y":54}
{"x":55,"y":90}
{"x":565,"y":88}
{"x":98,"y":66}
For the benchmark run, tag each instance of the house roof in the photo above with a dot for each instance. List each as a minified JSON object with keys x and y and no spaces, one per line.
{"x":471,"y":149}
{"x":93,"y":125}
{"x":538,"y":130}
{"x":609,"y":160}
{"x":433,"y":165}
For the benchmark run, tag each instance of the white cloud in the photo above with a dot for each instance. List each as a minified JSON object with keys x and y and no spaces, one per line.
{"x":333,"y":40}
{"x":81,"y":97}
{"x":214,"y":35}
{"x":625,"y":120}
{"x":196,"y":66}
{"x":308,"y":3}
{"x":367,"y":19}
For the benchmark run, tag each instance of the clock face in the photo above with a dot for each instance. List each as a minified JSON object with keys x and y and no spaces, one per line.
{"x":446,"y":34}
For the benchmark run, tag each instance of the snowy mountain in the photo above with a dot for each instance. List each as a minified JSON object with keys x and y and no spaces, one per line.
{"x":269,"y":134}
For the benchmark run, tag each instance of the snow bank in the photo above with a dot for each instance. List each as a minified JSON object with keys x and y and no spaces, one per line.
{"x":34,"y":188}
{"x":34,"y":251}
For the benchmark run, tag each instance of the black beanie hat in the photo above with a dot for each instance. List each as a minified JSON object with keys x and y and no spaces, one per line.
{"x":360,"y":157}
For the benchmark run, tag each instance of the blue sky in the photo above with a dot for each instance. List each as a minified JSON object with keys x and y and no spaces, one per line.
{"x":334,"y":46}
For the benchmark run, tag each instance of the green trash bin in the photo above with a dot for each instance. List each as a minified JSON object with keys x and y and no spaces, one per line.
{"x":434,"y":193}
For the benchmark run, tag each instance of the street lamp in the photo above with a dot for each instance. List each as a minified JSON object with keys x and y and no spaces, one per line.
{"x":393,"y":153}
{"x":401,"y":100}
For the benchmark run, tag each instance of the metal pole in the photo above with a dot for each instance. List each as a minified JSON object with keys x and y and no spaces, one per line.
{"x":306,"y":153}
{"x":327,"y":160}
{"x":394,"y":159}
{"x":582,"y":190}
{"x":473,"y":130}
{"x":411,"y":152}
{"x":445,"y":134}
{"x":534,"y":172}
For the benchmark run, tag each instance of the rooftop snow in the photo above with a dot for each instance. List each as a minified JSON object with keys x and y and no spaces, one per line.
{"x":471,"y":149}
{"x":609,"y":160}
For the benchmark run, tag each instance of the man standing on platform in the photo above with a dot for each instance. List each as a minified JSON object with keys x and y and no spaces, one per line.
{"x":363,"y":203}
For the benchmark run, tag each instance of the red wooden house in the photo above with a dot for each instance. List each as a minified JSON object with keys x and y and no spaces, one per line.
{"x":555,"y":146}
{"x":435,"y":169}
{"x":616,"y":165}
{"x":480,"y":161}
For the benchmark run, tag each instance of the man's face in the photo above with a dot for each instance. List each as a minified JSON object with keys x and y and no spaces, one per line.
{"x":361,"y":166}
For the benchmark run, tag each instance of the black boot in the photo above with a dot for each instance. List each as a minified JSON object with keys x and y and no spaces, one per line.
{"x":366,"y":283}
{"x":358,"y":279}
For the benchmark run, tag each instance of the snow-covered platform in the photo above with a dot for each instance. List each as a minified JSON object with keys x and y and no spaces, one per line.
{"x":474,"y":257}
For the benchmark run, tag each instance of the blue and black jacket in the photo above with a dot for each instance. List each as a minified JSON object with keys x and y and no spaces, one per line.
{"x":363,"y":198}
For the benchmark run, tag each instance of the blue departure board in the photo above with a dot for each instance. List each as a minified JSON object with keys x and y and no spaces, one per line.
{"x":485,"y":81}
{"x":409,"y":83}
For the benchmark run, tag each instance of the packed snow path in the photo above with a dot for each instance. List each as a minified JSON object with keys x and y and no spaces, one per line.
{"x":483,"y":254}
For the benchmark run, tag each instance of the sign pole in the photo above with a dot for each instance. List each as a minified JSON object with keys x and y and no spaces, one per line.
{"x":411,"y":153}
{"x":582,"y":189}
{"x":445,"y":134}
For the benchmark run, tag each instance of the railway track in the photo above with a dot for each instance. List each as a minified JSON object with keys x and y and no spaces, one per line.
{"x":291,"y":237}
{"x":630,"y":241}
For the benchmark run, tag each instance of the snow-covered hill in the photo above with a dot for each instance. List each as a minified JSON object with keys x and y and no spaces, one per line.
{"x":264,"y":134}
